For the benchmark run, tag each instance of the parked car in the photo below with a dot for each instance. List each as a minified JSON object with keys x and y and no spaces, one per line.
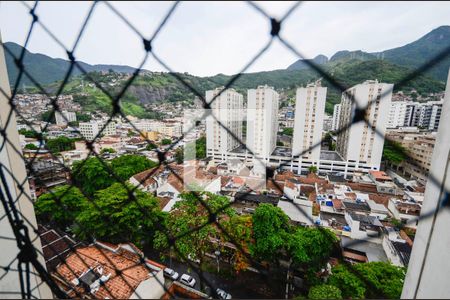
{"x":170,"y":273}
{"x":187,"y":280}
{"x":222,"y":294}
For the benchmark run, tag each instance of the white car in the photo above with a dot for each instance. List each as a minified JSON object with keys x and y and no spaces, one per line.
{"x":222,"y":294}
{"x":187,"y":280}
{"x":170,"y":273}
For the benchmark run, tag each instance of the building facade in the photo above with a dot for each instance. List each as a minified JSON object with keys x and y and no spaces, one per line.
{"x":262,"y":121}
{"x":308,"y":126}
{"x":360,"y":142}
{"x":336,"y":117}
{"x":62,"y":118}
{"x":227,"y":108}
{"x":397,"y":114}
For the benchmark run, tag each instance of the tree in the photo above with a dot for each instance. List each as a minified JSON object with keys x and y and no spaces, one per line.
{"x":289,"y":131}
{"x":126,"y":166}
{"x":166,"y":141}
{"x":383,"y":280}
{"x":91,"y":175}
{"x":151,"y":146}
{"x":61,"y":143}
{"x":311,"y":247}
{"x":371,"y":280}
{"x":61,"y":206}
{"x":350,"y":284}
{"x":48,"y":116}
{"x":107,"y":150}
{"x":200,"y":147}
{"x":324,"y":291}
{"x":270,"y":230}
{"x":179,"y":155}
{"x":394,"y":152}
{"x":31,"y":147}
{"x":189,"y":224}
{"x":116,"y":216}
{"x":312,"y":169}
{"x":239,"y":233}
{"x":29,"y":133}
{"x":83,"y":117}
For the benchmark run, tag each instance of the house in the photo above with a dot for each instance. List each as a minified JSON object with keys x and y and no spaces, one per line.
{"x":191,"y":176}
{"x":396,"y":248}
{"x":103,"y":270}
{"x":407,"y":212}
{"x":149,"y":180}
{"x":298,"y":211}
{"x":363,"y":226}
{"x":362,"y":250}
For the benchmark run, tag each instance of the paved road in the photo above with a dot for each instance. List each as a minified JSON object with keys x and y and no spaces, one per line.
{"x":247,"y":285}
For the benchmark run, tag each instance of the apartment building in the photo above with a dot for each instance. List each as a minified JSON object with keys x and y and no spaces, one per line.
{"x":90,"y":130}
{"x":430,"y":115}
{"x":228,"y":109}
{"x":64,"y":117}
{"x":360,"y":143}
{"x":397,"y":114}
{"x":262,"y":120}
{"x":419,"y":146}
{"x":336,"y":117}
{"x":415,"y":114}
{"x":308,"y":126}
{"x":170,"y":128}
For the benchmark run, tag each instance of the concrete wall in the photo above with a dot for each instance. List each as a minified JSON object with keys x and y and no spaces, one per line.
{"x":427,"y":275}
{"x":12,"y":160}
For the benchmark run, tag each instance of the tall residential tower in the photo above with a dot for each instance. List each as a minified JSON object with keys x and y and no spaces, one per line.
{"x":309,"y":113}
{"x":262,"y":120}
{"x":359,"y":142}
{"x":227,"y":108}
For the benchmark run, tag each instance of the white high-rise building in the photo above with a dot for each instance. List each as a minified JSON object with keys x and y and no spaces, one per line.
{"x":397,"y":114}
{"x":228,"y":109}
{"x":359,"y":143}
{"x":69,"y":117}
{"x":90,"y":130}
{"x":309,"y":113}
{"x":336,"y":117}
{"x":429,"y":115}
{"x":262,"y":121}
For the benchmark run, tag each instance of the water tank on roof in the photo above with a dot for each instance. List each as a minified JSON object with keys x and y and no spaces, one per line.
{"x":347,"y":228}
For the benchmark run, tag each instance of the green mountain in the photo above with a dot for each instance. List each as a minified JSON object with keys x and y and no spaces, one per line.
{"x":347,"y":67}
{"x":45,"y":69}
{"x":421,"y":51}
{"x":301,"y":64}
{"x":412,"y":55}
{"x":161,"y":87}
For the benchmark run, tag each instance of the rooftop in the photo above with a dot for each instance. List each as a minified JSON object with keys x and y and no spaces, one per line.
{"x":119,"y":267}
{"x":330,"y":155}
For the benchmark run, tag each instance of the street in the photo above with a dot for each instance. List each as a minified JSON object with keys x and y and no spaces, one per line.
{"x":247,"y":284}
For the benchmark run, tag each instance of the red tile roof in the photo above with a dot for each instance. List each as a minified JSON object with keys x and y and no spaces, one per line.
{"x":119,"y":286}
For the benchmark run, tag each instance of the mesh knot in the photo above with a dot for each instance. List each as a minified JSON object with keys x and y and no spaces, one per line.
{"x":147,"y":45}
{"x":276,"y":26}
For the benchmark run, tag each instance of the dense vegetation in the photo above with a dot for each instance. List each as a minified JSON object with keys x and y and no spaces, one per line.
{"x":94,"y":174}
{"x":108,"y":215}
{"x":368,"y":280}
{"x":394,"y":152}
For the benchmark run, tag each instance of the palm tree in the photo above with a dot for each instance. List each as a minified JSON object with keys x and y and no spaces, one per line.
{"x":312,"y":169}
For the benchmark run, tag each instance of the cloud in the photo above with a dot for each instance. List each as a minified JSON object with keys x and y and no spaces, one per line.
{"x":206,"y":38}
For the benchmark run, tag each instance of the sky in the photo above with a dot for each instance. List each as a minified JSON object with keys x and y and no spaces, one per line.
{"x":208,"y":38}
